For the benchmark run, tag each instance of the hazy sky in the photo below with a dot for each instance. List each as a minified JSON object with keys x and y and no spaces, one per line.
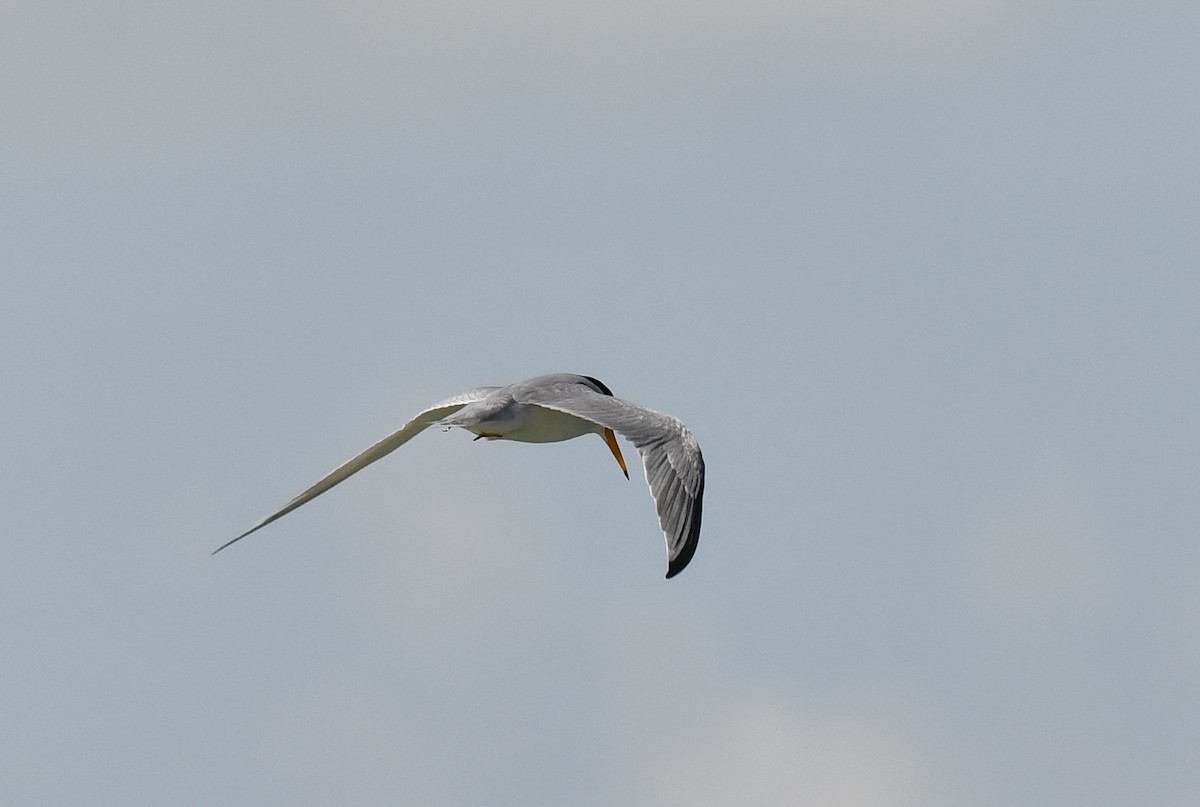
{"x":921,"y":276}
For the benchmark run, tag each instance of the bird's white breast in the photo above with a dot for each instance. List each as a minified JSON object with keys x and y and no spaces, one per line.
{"x":527,"y":423}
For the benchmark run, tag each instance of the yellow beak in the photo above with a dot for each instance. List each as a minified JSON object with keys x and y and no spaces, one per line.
{"x":611,"y":440}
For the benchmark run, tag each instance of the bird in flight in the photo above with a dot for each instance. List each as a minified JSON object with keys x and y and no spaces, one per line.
{"x":550,"y":408}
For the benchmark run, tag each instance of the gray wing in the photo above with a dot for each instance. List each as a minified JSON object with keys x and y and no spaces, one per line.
{"x":671,"y":456}
{"x":381,"y":449}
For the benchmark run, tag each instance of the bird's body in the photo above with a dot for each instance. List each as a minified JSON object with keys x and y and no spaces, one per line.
{"x":501,"y":418}
{"x":552,"y":408}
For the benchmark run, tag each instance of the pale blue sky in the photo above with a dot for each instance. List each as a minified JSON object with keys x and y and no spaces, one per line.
{"x":920,"y":276}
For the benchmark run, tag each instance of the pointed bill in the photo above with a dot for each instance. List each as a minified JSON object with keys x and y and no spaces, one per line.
{"x":611,"y":440}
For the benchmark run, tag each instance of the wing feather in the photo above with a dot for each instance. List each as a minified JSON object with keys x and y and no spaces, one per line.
{"x":671,"y":457}
{"x":381,"y":449}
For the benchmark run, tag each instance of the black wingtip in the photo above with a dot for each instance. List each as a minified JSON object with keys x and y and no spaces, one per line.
{"x":676,"y":566}
{"x":688,"y":551}
{"x":684,"y":557}
{"x":227,"y":543}
{"x":255,"y":528}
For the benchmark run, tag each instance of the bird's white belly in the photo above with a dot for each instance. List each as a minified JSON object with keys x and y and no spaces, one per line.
{"x":527,"y":423}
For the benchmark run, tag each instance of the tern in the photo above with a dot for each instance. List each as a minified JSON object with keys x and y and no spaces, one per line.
{"x":548,"y":409}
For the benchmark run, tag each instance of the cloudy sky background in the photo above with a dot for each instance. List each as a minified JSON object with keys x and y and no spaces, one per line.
{"x":920,"y":275}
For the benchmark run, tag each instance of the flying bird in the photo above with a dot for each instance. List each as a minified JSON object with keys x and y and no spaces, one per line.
{"x":548,"y":409}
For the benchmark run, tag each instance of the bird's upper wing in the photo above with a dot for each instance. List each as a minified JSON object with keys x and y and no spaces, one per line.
{"x":381,"y":449}
{"x":671,"y":456}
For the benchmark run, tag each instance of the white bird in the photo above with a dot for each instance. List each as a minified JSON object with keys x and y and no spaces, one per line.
{"x":555,"y":407}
